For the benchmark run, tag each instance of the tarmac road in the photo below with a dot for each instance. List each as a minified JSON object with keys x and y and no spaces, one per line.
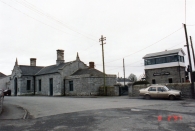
{"x":47,"y":106}
{"x":115,"y":114}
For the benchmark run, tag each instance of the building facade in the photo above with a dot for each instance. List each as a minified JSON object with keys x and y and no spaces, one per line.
{"x":165,"y":67}
{"x":62,"y":78}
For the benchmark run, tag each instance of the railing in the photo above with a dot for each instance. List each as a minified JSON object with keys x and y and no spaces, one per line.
{"x":1,"y":101}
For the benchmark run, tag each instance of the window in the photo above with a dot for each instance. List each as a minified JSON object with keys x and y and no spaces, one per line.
{"x":39,"y":85}
{"x":175,"y":58}
{"x":153,"y":81}
{"x":166,"y":59}
{"x":71,"y":85}
{"x":28,"y":84}
{"x":170,"y":80}
{"x":157,"y":60}
{"x":163,"y":60}
{"x":152,"y":89}
{"x":161,"y":89}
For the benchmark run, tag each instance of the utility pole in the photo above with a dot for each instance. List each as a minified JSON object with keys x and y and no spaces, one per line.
{"x":190,"y":65}
{"x":102,"y":39}
{"x":192,"y":50}
{"x":124,"y":70}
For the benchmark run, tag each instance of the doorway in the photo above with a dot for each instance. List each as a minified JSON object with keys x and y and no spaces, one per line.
{"x":15,"y":86}
{"x":51,"y":86}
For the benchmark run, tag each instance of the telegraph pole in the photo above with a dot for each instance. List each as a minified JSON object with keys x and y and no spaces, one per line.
{"x":190,"y":65}
{"x":192,"y":50}
{"x":124,"y":70}
{"x":102,"y":39}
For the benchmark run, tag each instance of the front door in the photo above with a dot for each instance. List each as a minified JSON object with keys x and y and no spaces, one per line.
{"x":51,"y":86}
{"x":15,"y":86}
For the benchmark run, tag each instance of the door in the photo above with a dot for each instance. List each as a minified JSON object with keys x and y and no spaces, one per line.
{"x":152,"y":92}
{"x":162,"y":93}
{"x":15,"y":86}
{"x":51,"y":86}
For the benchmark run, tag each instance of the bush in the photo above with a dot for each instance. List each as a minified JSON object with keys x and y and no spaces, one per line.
{"x":140,"y":82}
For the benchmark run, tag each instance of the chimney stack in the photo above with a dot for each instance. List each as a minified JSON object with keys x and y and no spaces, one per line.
{"x":60,"y":57}
{"x":91,"y":64}
{"x":32,"y":61}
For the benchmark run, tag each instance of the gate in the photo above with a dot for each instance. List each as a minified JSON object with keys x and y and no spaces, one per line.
{"x":123,"y":90}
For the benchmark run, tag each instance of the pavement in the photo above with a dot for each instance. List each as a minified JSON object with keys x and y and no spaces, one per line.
{"x":13,"y":112}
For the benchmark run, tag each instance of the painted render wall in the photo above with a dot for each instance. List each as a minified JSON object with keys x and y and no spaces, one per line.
{"x":45,"y":85}
{"x":4,"y":82}
{"x":86,"y":85}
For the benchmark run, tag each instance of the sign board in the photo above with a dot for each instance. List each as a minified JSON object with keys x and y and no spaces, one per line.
{"x":162,"y":73}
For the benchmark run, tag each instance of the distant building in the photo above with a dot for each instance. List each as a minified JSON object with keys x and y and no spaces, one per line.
{"x":2,"y":75}
{"x":120,"y":81}
{"x":4,"y":81}
{"x":165,"y":67}
{"x":62,"y":78}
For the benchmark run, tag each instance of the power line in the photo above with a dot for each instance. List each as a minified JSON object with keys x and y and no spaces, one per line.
{"x":41,"y":12}
{"x":176,"y":45}
{"x":32,"y":17}
{"x":147,"y":46}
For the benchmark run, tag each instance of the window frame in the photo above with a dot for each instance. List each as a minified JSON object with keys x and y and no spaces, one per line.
{"x":71,"y":86}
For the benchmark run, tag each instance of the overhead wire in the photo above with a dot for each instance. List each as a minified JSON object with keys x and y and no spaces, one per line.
{"x":41,"y":21}
{"x":41,"y":12}
{"x":147,"y":46}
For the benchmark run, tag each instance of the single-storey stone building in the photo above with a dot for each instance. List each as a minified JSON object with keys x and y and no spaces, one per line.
{"x":62,"y":78}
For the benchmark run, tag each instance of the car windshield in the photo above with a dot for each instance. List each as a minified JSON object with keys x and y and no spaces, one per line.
{"x":166,"y":88}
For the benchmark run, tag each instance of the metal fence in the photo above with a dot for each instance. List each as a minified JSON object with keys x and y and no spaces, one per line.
{"x":1,"y":101}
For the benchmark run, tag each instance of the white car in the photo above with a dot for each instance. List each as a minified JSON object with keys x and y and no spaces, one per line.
{"x":159,"y":91}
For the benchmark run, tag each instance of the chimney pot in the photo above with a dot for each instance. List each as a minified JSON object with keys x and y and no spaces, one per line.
{"x":60,"y":56}
{"x":91,"y":64}
{"x":32,"y":61}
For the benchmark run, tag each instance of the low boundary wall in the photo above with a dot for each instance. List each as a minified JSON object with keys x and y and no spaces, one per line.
{"x":184,"y":87}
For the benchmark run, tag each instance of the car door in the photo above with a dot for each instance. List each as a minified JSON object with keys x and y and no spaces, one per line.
{"x":152,"y":92}
{"x":161,"y":92}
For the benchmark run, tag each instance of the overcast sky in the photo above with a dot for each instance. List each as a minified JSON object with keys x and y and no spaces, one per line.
{"x":133,"y":28}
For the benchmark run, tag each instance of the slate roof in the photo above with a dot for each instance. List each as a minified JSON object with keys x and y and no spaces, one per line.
{"x":91,"y":71}
{"x":2,"y":75}
{"x":175,"y":51}
{"x":51,"y":69}
{"x":29,"y":70}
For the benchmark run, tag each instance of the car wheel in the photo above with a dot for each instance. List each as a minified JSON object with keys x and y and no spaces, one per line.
{"x":147,"y":97}
{"x":171,"y":97}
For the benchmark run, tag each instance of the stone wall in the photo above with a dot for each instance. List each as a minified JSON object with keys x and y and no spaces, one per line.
{"x":184,"y":87}
{"x":45,"y":84}
{"x":22,"y":89}
{"x":111,"y":91}
{"x":86,"y":85}
{"x":1,"y":103}
{"x":175,"y":73}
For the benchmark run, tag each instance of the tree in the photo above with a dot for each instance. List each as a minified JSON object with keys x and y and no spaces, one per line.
{"x":132,"y":77}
